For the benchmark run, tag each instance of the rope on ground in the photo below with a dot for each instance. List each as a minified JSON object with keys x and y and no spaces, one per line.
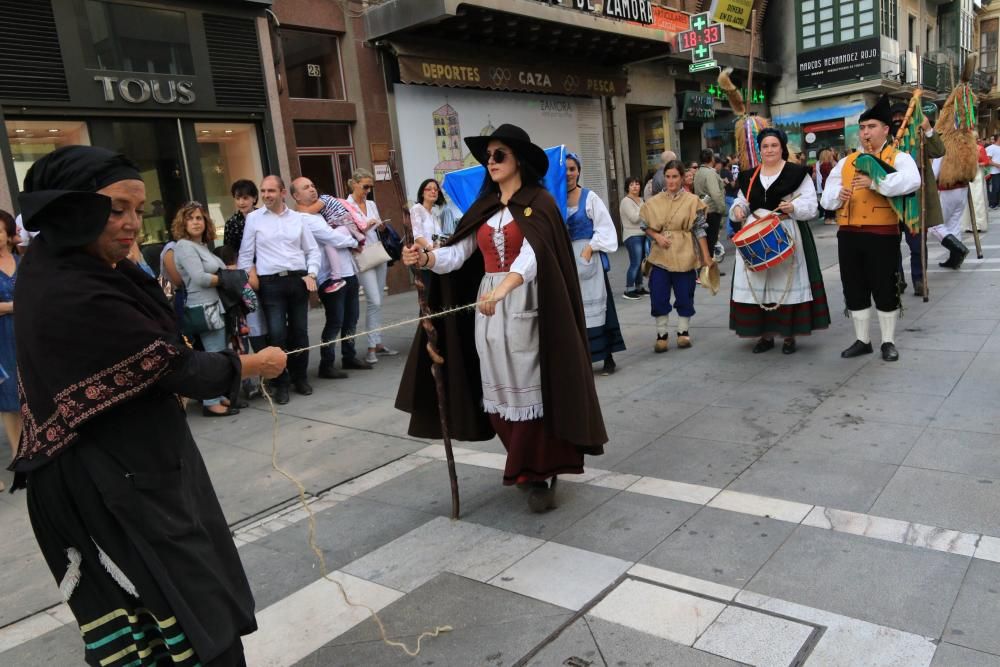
{"x":312,"y":516}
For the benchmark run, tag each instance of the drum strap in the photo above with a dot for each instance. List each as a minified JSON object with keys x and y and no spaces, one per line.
{"x":753,"y":179}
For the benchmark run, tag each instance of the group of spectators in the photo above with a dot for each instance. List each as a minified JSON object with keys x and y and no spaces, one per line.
{"x":254,"y":289}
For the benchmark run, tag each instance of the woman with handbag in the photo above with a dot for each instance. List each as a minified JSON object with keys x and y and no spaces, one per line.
{"x":372,"y":278}
{"x":199,"y":269}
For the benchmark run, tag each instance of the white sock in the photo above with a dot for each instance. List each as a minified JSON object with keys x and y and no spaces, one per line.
{"x":682,"y":324}
{"x":661,"y":325}
{"x":861,"y":319}
{"x":887,"y":324}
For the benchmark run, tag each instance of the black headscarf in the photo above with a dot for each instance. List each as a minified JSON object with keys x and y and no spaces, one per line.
{"x":779,"y":135}
{"x":89,"y":336}
{"x":60,"y":197}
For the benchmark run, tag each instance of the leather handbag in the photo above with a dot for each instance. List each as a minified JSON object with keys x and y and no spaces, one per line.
{"x":202,"y":319}
{"x":372,"y":255}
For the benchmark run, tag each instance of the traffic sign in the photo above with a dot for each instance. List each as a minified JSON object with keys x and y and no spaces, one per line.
{"x":703,"y":65}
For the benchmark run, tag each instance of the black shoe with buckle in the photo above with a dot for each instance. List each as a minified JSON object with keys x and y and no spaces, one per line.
{"x":789,"y":346}
{"x":763,"y":345}
{"x":889,"y":352}
{"x":856,"y":349}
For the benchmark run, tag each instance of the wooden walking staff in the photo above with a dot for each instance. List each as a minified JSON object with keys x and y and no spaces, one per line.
{"x":437,"y":361}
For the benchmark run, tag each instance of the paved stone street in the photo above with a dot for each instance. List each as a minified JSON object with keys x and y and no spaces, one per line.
{"x":751,"y":509}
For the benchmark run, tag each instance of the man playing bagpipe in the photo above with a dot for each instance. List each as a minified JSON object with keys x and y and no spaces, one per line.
{"x":859,"y":188}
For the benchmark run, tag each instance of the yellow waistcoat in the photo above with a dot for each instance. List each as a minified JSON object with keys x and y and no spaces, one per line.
{"x":866,"y":206}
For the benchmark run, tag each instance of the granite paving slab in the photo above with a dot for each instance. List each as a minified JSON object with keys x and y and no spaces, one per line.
{"x":658,"y":611}
{"x":872,"y":580}
{"x":459,"y":547}
{"x":744,"y":425}
{"x":894,"y":407}
{"x":754,"y":638}
{"x":627,"y":526}
{"x":720,"y":546}
{"x":492,"y":628}
{"x":561,"y":575}
{"x":950,"y":655}
{"x":963,"y":452}
{"x":57,"y":648}
{"x":973,"y":622}
{"x":692,"y":460}
{"x":428,"y":489}
{"x":853,"y":437}
{"x":949,"y":500}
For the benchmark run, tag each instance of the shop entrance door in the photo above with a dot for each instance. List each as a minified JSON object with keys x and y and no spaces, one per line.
{"x":154,"y":145}
{"x":329,"y":171}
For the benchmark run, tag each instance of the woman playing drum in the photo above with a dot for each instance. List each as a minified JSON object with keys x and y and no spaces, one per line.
{"x":787,"y":299}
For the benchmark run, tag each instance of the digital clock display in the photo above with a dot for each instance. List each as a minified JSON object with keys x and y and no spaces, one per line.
{"x":708,"y":36}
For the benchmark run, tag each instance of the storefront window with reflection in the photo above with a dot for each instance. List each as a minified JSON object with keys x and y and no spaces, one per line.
{"x":133,"y":38}
{"x":31,"y":139}
{"x":228,"y":152}
{"x":312,"y":65}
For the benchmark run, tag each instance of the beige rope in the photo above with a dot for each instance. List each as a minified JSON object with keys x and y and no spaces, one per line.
{"x":302,"y":489}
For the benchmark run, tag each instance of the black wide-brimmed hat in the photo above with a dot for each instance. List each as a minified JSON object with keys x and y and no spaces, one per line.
{"x":881,"y":111}
{"x":519,"y":142}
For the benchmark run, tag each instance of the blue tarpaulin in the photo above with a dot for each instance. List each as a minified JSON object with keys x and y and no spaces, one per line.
{"x":462,"y":186}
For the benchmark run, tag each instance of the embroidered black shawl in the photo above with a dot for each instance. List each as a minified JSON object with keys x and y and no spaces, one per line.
{"x":88,"y":337}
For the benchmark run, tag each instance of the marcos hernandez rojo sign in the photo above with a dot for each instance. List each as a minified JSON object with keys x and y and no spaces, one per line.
{"x":839,"y":63}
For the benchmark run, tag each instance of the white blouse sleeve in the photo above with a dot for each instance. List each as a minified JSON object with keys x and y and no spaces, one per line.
{"x":832,"y":187}
{"x":805,"y":206}
{"x":526,"y":263}
{"x":741,"y":202}
{"x":605,"y":235}
{"x":452,"y":257}
{"x":418,"y":218}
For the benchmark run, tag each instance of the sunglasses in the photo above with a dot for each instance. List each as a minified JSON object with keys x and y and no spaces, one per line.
{"x":367,"y":187}
{"x":498,"y":156}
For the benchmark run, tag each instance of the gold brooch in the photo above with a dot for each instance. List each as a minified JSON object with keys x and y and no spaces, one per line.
{"x":527,"y":211}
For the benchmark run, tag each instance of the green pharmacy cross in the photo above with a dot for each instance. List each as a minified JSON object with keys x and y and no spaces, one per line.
{"x":700,"y":39}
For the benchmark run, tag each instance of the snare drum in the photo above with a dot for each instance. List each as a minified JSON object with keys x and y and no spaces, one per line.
{"x":764,"y":243}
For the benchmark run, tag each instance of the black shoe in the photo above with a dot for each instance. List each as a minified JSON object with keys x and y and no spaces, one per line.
{"x":355,"y":364}
{"x":957,"y":252}
{"x":642,"y":291}
{"x":788,"y":347}
{"x":609,"y":366}
{"x":542,"y":497}
{"x":856,"y":349}
{"x":281,"y":394}
{"x":889,"y":352}
{"x":228,"y":413}
{"x":330,"y":373}
{"x":763,"y":345}
{"x":632,"y":295}
{"x":302,"y":387}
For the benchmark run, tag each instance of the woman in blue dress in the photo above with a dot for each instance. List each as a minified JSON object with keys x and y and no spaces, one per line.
{"x":9,"y":406}
{"x":593,"y":235}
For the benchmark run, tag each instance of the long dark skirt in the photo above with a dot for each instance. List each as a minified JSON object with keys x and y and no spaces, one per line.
{"x":160,"y":581}
{"x":607,"y":338}
{"x":532,"y":454}
{"x":750,"y":321}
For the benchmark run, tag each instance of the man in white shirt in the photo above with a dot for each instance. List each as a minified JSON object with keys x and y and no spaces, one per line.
{"x":868,"y":237}
{"x":343,"y":306}
{"x":993,"y":152}
{"x":279,"y":242}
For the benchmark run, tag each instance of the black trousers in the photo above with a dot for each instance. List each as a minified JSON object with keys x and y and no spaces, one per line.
{"x":714,"y":221}
{"x":286,"y":306}
{"x":869,"y":269}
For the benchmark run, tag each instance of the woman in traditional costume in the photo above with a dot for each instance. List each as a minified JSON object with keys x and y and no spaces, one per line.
{"x":118,"y":495}
{"x":787,"y":299}
{"x":519,"y":366}
{"x":593,"y":234}
{"x":675,"y":222}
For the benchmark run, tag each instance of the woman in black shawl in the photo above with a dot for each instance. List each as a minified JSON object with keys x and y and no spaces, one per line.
{"x":125,"y":514}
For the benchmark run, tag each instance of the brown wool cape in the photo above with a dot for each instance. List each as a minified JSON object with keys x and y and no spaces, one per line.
{"x":572,"y":410}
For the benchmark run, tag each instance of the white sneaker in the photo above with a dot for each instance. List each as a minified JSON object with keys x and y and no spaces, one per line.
{"x":385,"y":351}
{"x":371,"y":358}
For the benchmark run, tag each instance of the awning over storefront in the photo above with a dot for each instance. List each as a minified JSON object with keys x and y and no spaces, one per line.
{"x":531,"y":27}
{"x":422,"y":63}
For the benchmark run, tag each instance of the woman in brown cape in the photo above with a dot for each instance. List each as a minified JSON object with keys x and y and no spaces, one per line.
{"x":519,"y":366}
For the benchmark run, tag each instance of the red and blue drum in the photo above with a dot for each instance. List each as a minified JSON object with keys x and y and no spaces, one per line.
{"x":764,"y":243}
